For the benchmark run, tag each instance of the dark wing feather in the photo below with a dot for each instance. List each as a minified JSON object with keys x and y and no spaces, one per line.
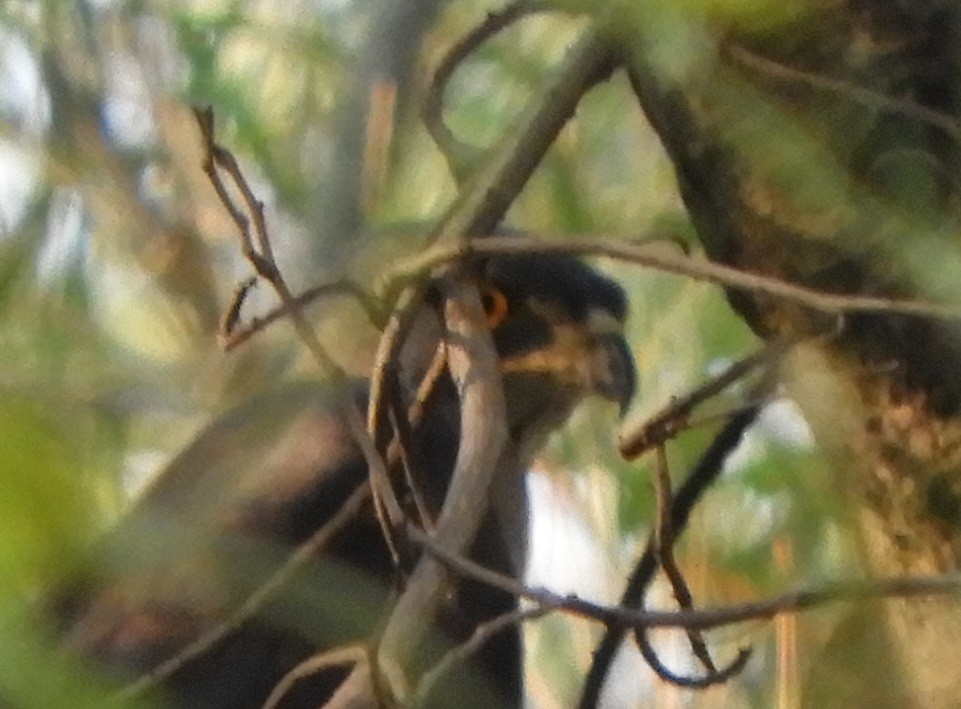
{"x":214,"y":526}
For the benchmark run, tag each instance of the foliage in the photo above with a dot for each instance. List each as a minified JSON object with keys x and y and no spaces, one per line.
{"x":116,"y":262}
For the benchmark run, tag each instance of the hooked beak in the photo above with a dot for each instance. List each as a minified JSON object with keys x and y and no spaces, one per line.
{"x":615,"y":377}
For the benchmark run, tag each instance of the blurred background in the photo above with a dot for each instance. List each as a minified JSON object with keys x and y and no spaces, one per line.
{"x":117,"y":263}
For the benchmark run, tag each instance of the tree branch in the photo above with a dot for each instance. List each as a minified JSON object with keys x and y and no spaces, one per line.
{"x":474,"y":366}
{"x":462,"y":157}
{"x":644,"y":255}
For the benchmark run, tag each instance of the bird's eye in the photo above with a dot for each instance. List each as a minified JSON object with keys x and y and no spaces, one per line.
{"x":495,"y":305}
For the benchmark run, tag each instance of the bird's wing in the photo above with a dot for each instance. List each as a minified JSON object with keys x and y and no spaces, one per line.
{"x":213,"y":526}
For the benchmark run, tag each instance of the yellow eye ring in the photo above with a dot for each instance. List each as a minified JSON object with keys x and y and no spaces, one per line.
{"x":495,"y":305}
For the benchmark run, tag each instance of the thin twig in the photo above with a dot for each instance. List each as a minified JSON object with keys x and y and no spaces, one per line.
{"x":653,"y":661}
{"x":697,"y":269}
{"x":461,"y":157}
{"x":391,"y":515}
{"x":664,"y":549}
{"x":341,"y":287}
{"x":696,"y":619}
{"x":674,"y":417}
{"x":403,"y":447}
{"x":461,"y":653}
{"x":861,"y":94}
{"x":660,"y":548}
{"x":415,"y":414}
{"x":435,"y":371}
{"x":664,"y":542}
{"x":257,"y":247}
{"x":701,"y":477}
{"x":720,"y":417}
{"x":378,"y":424}
{"x":205,"y":119}
{"x":412,"y":419}
{"x":345,"y":655}
{"x":229,"y":322}
{"x":405,"y":450}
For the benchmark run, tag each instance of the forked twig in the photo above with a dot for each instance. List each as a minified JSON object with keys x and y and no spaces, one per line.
{"x":664,"y":552}
{"x":236,"y":336}
{"x":674,"y":417}
{"x":256,"y":246}
{"x":698,"y":481}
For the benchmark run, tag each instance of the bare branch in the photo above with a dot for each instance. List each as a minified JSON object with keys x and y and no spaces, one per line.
{"x":388,"y":352}
{"x":860,"y":94}
{"x":402,"y":447}
{"x":664,"y":551}
{"x":667,"y":422}
{"x":704,"y":473}
{"x":664,"y":544}
{"x":462,"y":157}
{"x":256,"y":248}
{"x":709,"y":680}
{"x":229,"y":322}
{"x":461,"y":653}
{"x":383,"y":493}
{"x":697,"y":619}
{"x":343,"y":287}
{"x":726,"y":276}
{"x":348,"y":655}
{"x":473,"y":364}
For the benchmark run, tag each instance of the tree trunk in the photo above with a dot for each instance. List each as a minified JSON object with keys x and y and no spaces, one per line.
{"x":822,"y":148}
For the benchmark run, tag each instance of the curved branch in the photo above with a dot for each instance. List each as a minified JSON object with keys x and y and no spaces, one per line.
{"x":337,"y":657}
{"x":701,"y":477}
{"x":460,"y":156}
{"x":704,"y":619}
{"x":473,"y":364}
{"x":710,"y":679}
{"x":664,"y":551}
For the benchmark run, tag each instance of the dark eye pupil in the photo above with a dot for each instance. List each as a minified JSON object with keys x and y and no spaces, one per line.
{"x":487,"y":300}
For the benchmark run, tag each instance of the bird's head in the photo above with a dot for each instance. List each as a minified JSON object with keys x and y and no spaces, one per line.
{"x":558,"y":327}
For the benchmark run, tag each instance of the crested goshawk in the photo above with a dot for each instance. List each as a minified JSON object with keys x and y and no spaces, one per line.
{"x":262,"y":479}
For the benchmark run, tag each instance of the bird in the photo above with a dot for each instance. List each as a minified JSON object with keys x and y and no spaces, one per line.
{"x":259,"y":481}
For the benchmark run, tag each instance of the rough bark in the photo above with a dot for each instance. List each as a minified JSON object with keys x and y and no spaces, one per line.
{"x":823,"y":149}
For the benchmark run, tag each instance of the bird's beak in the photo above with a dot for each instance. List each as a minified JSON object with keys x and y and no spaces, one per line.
{"x":614,"y":376}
